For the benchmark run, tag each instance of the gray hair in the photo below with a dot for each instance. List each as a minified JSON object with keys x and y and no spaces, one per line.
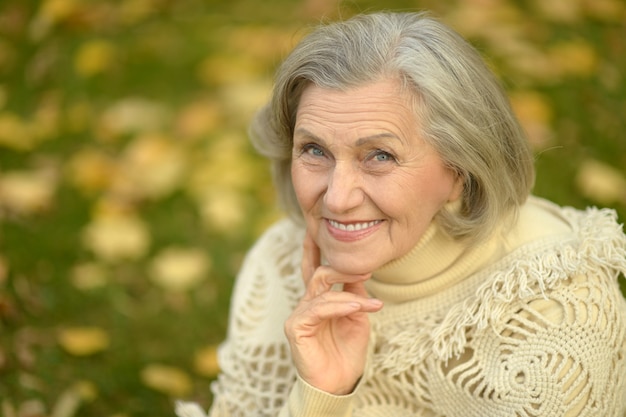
{"x":464,"y":112}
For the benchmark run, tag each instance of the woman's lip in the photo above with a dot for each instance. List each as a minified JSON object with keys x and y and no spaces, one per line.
{"x":353,"y":226}
{"x":351,"y":231}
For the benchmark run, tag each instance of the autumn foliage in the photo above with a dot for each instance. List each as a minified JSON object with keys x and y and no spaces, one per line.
{"x":129,"y":193}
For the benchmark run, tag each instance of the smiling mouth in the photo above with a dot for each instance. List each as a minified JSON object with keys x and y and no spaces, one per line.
{"x":353,"y":227}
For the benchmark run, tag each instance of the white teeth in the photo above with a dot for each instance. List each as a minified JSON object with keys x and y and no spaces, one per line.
{"x":352,"y":227}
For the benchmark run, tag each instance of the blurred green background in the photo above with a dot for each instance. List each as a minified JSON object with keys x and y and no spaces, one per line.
{"x":129,"y":193}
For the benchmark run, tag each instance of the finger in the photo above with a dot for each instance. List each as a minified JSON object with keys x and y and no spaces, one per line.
{"x":325,"y":277}
{"x":312,"y":316}
{"x":357,"y":287}
{"x":311,"y":257}
{"x":332,"y":305}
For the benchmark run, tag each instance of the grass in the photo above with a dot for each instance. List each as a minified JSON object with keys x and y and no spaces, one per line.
{"x":178,"y":175}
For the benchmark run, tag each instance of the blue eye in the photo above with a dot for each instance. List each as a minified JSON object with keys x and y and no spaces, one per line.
{"x":382,"y":156}
{"x":313,"y":150}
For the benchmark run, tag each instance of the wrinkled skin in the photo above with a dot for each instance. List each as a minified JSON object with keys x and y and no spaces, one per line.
{"x":368,"y":186}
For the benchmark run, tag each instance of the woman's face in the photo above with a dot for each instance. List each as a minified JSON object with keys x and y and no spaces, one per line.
{"x":367,"y":183}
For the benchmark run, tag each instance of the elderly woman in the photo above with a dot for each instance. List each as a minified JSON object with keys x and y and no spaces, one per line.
{"x":416,"y":276}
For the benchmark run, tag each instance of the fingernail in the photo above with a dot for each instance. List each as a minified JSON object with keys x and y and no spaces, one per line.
{"x":374,"y":302}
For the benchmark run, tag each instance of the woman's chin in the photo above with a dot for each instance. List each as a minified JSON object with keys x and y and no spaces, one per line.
{"x":352,"y":267}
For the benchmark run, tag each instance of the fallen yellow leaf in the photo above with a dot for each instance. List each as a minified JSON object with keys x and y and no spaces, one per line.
{"x":152,"y":166}
{"x":179,"y":269}
{"x":576,"y":58}
{"x":225,"y":163}
{"x":132,"y":115}
{"x":601,"y":182}
{"x":83,"y":341}
{"x":198,"y":119}
{"x":223,"y":210}
{"x":243,"y":99}
{"x":566,"y":11}
{"x":535,"y":114}
{"x":56,"y":10}
{"x":16,"y":133}
{"x":91,"y":170}
{"x":116,"y":238}
{"x":94,"y":57}
{"x":205,"y":361}
{"x":167,"y":379}
{"x":27,"y":192}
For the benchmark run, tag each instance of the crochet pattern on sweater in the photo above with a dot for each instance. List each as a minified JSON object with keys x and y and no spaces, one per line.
{"x":539,"y":332}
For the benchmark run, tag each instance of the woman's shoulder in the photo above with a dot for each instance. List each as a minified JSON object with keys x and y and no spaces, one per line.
{"x":542,"y":224}
{"x":285,"y":236}
{"x":284,"y":229}
{"x":268,"y":283}
{"x":563,"y":252}
{"x":558,"y":244}
{"x":538,"y":219}
{"x":541,"y":217}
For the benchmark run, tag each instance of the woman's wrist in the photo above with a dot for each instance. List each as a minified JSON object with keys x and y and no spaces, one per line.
{"x":306,"y":400}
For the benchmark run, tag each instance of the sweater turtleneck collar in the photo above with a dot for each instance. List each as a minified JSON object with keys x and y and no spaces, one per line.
{"x":437,"y":262}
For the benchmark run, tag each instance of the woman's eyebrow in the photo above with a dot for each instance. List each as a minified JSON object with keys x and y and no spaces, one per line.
{"x":304,"y":133}
{"x":365,"y":140}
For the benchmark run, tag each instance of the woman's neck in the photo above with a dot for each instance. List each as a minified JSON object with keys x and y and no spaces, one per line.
{"x":437,"y":262}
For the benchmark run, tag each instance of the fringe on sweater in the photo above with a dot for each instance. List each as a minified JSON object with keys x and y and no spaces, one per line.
{"x":598,"y":248}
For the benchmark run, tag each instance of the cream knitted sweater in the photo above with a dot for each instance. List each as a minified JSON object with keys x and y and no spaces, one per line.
{"x":530,"y":323}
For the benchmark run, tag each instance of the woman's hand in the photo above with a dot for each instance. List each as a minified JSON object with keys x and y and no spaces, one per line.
{"x":328,"y":331}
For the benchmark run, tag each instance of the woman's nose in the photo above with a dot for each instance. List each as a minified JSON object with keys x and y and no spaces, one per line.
{"x":344,"y":189}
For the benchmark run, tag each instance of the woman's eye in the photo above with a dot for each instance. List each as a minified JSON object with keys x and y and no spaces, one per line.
{"x":382,"y":156}
{"x":313,"y":150}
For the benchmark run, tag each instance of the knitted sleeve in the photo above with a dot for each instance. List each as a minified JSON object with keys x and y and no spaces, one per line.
{"x":257,"y":377}
{"x":256,"y":373}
